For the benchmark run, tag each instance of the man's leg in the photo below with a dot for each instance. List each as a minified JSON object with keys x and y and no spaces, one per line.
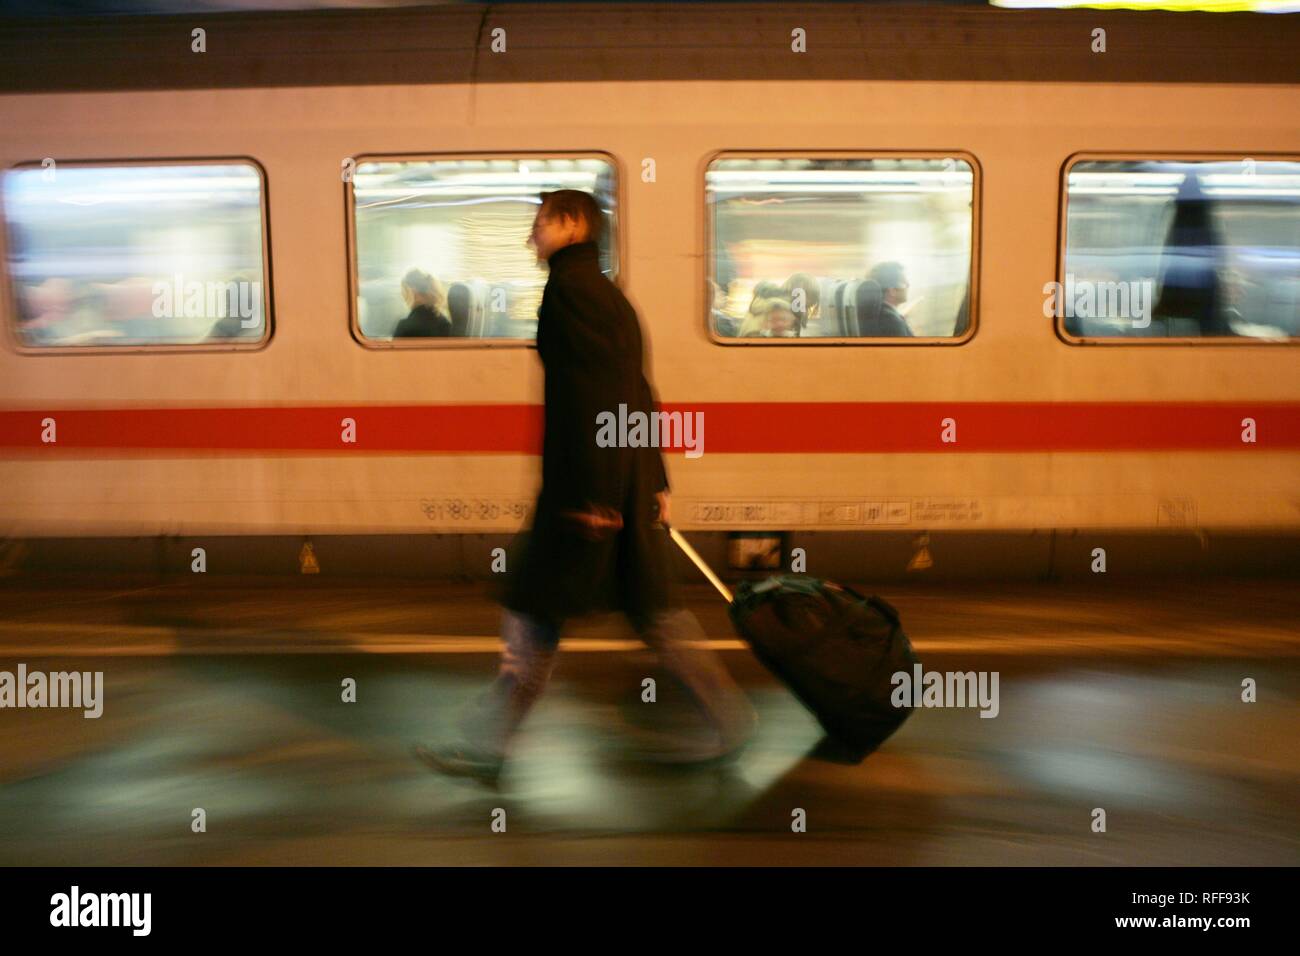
{"x":671,"y":634}
{"x":527,"y":659}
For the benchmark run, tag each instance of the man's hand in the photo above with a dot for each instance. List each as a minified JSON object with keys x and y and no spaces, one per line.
{"x":661,"y":499}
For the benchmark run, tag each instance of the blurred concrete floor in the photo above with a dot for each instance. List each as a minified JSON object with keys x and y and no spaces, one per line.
{"x":1125,"y":697}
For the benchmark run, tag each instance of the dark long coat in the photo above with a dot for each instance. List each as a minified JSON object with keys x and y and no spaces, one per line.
{"x":589,"y":341}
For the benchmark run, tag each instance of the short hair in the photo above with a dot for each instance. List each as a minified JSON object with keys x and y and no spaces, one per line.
{"x":889,"y":275}
{"x":579,"y":206}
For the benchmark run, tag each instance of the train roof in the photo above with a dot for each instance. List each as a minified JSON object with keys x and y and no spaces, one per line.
{"x":643,"y":42}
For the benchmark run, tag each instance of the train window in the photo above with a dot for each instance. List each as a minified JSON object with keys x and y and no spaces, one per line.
{"x":136,"y":255}
{"x":833,"y":249}
{"x":440,"y":244}
{"x":1179,"y":249}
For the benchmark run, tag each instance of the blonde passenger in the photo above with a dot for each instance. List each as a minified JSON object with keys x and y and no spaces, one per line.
{"x":769,"y":318}
{"x":423,"y":295}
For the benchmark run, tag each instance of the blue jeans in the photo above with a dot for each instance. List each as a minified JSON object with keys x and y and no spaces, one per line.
{"x":528,"y":657}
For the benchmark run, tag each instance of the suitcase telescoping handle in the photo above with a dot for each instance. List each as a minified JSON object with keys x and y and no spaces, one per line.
{"x":699,"y":563}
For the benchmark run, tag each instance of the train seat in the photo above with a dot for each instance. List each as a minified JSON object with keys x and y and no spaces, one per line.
{"x":460,"y":302}
{"x":868,"y":297}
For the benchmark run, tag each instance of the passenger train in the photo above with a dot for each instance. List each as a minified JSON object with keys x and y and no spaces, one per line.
{"x":1094,"y":285}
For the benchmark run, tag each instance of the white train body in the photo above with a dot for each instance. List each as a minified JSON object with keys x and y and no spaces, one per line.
{"x":1019,"y":134}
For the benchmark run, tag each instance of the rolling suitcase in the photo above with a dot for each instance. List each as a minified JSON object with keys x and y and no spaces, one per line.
{"x":835,"y":649}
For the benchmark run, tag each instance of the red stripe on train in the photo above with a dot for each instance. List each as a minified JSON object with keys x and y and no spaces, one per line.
{"x":729,"y":427}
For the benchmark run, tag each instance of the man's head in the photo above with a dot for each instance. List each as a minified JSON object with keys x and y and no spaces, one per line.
{"x":565,"y":216}
{"x":893,"y":282}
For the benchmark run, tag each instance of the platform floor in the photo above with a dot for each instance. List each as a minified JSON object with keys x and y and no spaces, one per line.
{"x":1125,"y":698}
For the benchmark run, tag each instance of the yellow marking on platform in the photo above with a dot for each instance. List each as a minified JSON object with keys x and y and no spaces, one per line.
{"x":82,"y":640}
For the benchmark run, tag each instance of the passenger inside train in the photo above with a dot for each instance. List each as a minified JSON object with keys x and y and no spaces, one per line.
{"x":839,"y":231}
{"x":887,"y":320}
{"x":770,"y":316}
{"x":801,"y":250}
{"x":805,"y":299}
{"x":793,"y":309}
{"x":424,"y":296}
{"x":459,"y":217}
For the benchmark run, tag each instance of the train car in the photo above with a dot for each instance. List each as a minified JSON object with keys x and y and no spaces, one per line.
{"x":954,"y":289}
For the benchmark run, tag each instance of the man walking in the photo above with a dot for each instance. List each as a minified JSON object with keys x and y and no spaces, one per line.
{"x":593,"y":545}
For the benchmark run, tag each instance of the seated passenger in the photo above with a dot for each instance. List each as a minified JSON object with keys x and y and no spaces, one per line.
{"x":769,"y":318}
{"x":893,"y":285}
{"x":811,"y":297}
{"x":781,"y":321}
{"x":759,"y":304}
{"x":767,"y":290}
{"x":422,"y":293}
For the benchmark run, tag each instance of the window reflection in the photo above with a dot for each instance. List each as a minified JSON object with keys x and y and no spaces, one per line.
{"x":1159,"y":249}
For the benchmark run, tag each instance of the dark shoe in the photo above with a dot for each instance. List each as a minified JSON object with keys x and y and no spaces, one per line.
{"x":459,"y":760}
